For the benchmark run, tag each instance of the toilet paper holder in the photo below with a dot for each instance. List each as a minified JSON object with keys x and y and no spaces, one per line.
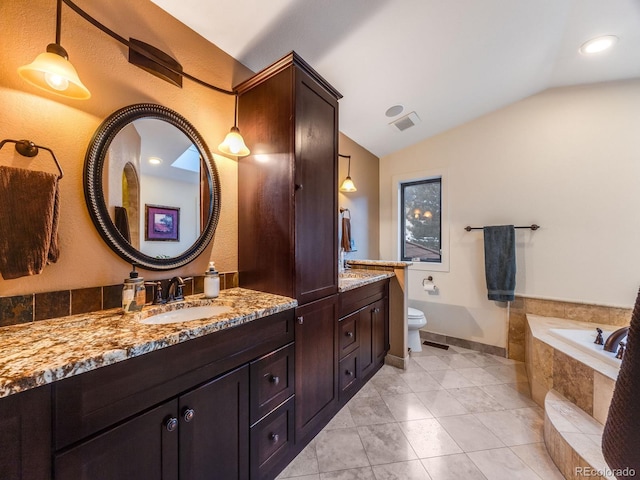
{"x":428,"y":285}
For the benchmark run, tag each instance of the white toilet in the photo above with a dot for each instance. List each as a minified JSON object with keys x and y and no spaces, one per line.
{"x":416,"y":320}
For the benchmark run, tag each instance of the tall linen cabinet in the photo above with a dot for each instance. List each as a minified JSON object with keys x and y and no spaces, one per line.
{"x":287,"y":218}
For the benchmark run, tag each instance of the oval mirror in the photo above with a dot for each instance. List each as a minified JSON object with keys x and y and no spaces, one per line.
{"x":152,"y":187}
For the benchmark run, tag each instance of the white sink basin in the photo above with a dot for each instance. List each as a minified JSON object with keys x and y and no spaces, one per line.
{"x":186,"y":314}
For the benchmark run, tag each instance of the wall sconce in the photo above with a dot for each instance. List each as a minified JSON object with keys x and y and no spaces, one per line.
{"x":347,"y":184}
{"x":52,"y":71}
{"x":64,"y":80}
{"x":233,"y":143}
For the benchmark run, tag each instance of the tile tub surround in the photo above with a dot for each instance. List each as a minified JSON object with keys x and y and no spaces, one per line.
{"x":573,"y":439}
{"x":416,"y":424}
{"x":41,"y":306}
{"x":584,"y":312}
{"x":553,"y":364}
{"x":38,"y":353}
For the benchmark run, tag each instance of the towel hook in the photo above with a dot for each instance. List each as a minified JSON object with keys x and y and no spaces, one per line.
{"x":28,"y":149}
{"x":345,"y":210}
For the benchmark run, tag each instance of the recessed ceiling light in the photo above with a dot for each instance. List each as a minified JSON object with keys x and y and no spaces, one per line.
{"x":395,"y":110}
{"x":155,"y":160}
{"x":598,"y":44}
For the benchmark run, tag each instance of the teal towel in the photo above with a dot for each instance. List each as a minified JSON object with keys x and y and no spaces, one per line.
{"x":500,"y":262}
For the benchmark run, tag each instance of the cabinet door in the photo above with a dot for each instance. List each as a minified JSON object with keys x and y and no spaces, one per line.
{"x":25,"y":435}
{"x":374,"y":336}
{"x":380,"y":326}
{"x":365,"y":332}
{"x":316,"y":196}
{"x":143,"y":447}
{"x":316,"y":366}
{"x":214,"y":429}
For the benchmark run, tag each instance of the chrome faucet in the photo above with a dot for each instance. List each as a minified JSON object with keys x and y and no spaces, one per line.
{"x":614,"y":339}
{"x":174,"y":290}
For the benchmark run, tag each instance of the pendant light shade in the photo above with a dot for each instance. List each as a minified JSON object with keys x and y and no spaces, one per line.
{"x":348,"y":185}
{"x":233,"y":143}
{"x":53,"y":72}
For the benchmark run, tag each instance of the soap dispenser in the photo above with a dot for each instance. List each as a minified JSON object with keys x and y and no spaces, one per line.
{"x":133,"y":292}
{"x":211,"y":282}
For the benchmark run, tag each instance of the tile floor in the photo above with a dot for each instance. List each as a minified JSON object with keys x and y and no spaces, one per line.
{"x":453,"y":414}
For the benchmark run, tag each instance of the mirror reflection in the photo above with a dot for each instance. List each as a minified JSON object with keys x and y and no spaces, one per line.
{"x":152,"y":187}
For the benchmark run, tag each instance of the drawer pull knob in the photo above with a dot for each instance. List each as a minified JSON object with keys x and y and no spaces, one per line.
{"x":275,"y":379}
{"x":274,"y":437}
{"x":349,"y":334}
{"x":300,"y":320}
{"x":188,"y":415}
{"x":348,"y":373}
{"x":375,"y":310}
{"x":171,"y":424}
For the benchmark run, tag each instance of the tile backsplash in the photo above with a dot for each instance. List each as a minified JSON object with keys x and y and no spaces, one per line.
{"x":41,"y":306}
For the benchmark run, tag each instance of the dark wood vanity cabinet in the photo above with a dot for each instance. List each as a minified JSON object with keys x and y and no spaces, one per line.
{"x":25,"y":435}
{"x":202,"y":431}
{"x":287,"y":220}
{"x":362,"y":335}
{"x":316,"y":367}
{"x":218,"y":406}
{"x":287,"y":187}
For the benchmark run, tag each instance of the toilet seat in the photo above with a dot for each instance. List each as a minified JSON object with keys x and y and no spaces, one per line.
{"x":414,"y":313}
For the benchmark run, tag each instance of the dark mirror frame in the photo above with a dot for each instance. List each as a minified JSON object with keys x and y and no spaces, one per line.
{"x":94,"y":194}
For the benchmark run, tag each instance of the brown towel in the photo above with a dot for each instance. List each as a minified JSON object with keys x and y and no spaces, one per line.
{"x":621,"y":437}
{"x":29,"y":203}
{"x":122,"y":223}
{"x":346,"y":234}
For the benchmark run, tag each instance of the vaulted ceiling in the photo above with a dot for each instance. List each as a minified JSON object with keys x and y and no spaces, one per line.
{"x":449,"y":61}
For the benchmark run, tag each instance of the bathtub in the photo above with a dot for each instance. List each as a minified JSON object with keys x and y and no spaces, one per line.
{"x":584,"y":340}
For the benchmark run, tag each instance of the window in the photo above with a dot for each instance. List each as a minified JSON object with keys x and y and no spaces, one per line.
{"x":421,"y":222}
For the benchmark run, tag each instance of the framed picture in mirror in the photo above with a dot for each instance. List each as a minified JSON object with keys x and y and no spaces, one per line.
{"x":162,"y":223}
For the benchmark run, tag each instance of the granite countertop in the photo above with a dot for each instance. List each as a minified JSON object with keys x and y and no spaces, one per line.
{"x":354,"y":278}
{"x":49,"y":350}
{"x":380,"y":263}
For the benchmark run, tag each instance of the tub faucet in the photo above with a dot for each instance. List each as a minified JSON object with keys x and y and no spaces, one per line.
{"x":599,"y":340}
{"x":614,"y":339}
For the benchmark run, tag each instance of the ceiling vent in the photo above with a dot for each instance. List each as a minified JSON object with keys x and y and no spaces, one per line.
{"x":405,"y":122}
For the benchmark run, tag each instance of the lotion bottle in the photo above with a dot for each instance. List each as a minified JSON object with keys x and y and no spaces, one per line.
{"x":133,"y":293}
{"x":211,"y":282}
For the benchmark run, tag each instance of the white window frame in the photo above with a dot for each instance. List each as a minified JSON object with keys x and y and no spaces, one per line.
{"x":396,"y":216}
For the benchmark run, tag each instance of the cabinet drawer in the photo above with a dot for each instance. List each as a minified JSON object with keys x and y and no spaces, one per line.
{"x":272,"y":381}
{"x":355,"y":299}
{"x":271,"y":439}
{"x":348,"y":373}
{"x":347,"y":335}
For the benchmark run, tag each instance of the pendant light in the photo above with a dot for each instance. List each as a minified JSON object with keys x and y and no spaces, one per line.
{"x":233,"y":143}
{"x":52,"y":70}
{"x":347,"y":184}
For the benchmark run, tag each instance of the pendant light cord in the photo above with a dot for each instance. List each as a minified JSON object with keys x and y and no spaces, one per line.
{"x":58,"y":20}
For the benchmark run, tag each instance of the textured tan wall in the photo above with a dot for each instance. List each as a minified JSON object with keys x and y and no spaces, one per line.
{"x":363,"y":204}
{"x":66,"y":126}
